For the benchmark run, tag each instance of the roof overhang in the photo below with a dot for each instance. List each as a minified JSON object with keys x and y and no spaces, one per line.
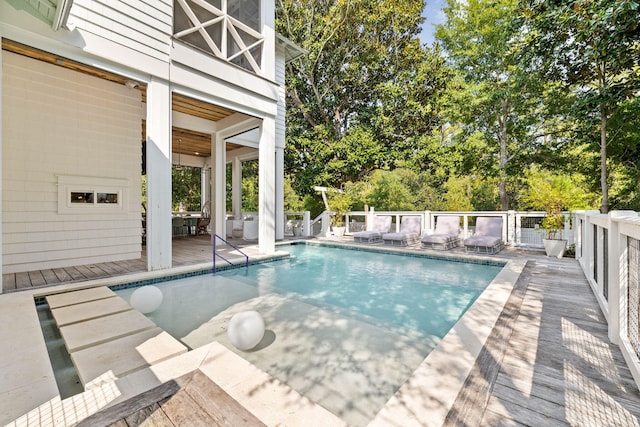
{"x":53,"y":12}
{"x":291,"y":50}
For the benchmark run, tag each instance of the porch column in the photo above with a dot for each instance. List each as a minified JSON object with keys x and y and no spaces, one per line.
{"x":236,"y":187}
{"x":205,"y":184}
{"x":279,"y":178}
{"x":218,"y":190}
{"x":158,"y":175}
{"x":266,"y":185}
{"x":1,"y":145}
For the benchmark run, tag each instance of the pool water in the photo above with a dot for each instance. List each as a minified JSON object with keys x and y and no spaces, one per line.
{"x":424,"y":294}
{"x":344,"y":327}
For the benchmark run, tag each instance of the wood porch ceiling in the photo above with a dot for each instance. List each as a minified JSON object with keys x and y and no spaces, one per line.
{"x":184,"y":141}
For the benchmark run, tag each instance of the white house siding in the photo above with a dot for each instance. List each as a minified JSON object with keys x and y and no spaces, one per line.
{"x":59,"y":122}
{"x":143,"y":26}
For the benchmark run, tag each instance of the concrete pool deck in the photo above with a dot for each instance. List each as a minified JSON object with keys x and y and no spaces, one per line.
{"x":28,"y":390}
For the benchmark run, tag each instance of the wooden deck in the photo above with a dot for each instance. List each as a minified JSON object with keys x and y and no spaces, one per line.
{"x":193,"y":400}
{"x":547,"y":362}
{"x":186,"y":251}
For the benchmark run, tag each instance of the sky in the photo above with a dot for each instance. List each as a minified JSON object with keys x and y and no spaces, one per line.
{"x":433,"y":13}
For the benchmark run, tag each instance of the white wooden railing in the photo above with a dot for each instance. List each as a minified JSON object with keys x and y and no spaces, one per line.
{"x":608,"y":250}
{"x":519,"y":228}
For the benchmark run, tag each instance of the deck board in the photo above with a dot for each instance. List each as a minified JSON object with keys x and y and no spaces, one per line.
{"x":191,"y":400}
{"x":37,"y":278}
{"x":23,"y":281}
{"x":49,"y":276}
{"x":62,"y":275}
{"x":560,"y":368}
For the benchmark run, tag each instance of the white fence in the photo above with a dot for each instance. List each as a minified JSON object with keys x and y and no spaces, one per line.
{"x":608,"y":250}
{"x":519,"y":228}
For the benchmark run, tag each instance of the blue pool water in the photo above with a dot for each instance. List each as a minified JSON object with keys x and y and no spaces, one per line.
{"x":345,"y":327}
{"x":424,"y":294}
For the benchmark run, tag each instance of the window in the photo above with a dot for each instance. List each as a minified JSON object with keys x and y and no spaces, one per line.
{"x":78,"y":194}
{"x":77,"y":197}
{"x":107,"y":197}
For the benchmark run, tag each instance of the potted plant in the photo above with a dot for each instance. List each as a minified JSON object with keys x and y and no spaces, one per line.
{"x":553,"y":224}
{"x":296,"y":227}
{"x":339,"y":203}
{"x":553,"y":192}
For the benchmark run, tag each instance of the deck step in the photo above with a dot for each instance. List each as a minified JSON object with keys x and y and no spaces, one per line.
{"x":81,"y":335}
{"x":83,"y":312}
{"x":125,"y":355}
{"x":106,"y":338}
{"x":77,"y":297}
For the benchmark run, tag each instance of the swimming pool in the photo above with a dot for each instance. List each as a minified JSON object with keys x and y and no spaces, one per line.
{"x":345,"y":328}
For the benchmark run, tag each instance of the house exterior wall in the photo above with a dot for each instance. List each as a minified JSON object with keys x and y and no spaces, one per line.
{"x":141,"y":26}
{"x":61,"y":130}
{"x":134,"y":40}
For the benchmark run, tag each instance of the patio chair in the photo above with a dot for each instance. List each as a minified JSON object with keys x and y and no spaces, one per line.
{"x":381,"y":225}
{"x":204,"y":220}
{"x":179,"y":228}
{"x":487,"y":237}
{"x":445,"y":235}
{"x":409,"y":234}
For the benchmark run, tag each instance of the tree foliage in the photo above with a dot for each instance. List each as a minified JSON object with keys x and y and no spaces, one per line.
{"x":495,"y":114}
{"x":364,"y":97}
{"x":593,"y":48}
{"x":457,"y":125}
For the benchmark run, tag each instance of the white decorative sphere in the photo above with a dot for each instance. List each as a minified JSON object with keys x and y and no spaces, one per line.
{"x":246,"y":329}
{"x":146,"y":299}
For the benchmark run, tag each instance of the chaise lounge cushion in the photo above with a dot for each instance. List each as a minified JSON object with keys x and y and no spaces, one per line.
{"x":438,"y":238}
{"x":445,"y":234}
{"x":486,"y":241}
{"x":381,"y":225}
{"x":488,"y":236}
{"x":409,"y":233}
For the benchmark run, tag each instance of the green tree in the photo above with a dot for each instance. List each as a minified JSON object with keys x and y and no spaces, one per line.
{"x":363,"y":97}
{"x":459,"y":194}
{"x":555,"y":192}
{"x":250,"y":193}
{"x":292,"y":202}
{"x":592,"y":47}
{"x":495,"y":105}
{"x":186,"y":189}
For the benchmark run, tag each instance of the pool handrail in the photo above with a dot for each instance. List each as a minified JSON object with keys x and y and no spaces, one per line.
{"x":216,"y":254}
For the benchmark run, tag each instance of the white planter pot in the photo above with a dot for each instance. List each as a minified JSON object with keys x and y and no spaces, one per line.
{"x":338,"y":231}
{"x":554,"y":247}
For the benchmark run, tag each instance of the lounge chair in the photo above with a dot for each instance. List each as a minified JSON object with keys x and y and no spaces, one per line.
{"x":445,"y":235}
{"x":487,"y":237}
{"x":381,"y":225}
{"x":409,"y":233}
